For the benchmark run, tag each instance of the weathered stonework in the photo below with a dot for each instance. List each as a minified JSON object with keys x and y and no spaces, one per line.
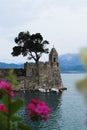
{"x":42,"y":75}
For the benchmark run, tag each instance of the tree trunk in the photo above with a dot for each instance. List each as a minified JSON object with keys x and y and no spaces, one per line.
{"x":37,"y":60}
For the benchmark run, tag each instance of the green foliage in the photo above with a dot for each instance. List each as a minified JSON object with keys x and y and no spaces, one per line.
{"x":12,"y":79}
{"x":81,"y":85}
{"x":10,"y":120}
{"x":23,"y":127}
{"x":83,"y":56}
{"x":10,"y":106}
{"x":15,"y":118}
{"x":31,"y":45}
{"x":3,"y":119}
{"x":15,"y":104}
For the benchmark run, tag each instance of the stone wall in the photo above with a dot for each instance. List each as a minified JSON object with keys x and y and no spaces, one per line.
{"x":20,"y":75}
{"x":42,"y":75}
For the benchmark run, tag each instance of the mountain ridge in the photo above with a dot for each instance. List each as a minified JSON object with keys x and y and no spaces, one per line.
{"x":69,"y":62}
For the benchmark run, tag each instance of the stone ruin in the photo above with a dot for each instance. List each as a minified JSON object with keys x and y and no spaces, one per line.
{"x":42,"y":75}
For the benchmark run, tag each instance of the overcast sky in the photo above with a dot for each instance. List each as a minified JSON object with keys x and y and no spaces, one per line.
{"x":62,"y":22}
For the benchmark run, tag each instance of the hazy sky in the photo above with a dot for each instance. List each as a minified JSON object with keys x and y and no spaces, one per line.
{"x":62,"y":22}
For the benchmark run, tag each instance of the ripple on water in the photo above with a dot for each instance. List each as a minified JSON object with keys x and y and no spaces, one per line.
{"x":67,"y":110}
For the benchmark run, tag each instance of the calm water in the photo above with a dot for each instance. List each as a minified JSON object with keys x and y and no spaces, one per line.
{"x":67,"y":110}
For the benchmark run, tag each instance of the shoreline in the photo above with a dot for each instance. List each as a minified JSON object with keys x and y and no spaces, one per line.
{"x":72,"y":72}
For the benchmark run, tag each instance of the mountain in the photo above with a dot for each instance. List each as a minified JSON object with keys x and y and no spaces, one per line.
{"x":70,"y":63}
{"x":11,"y":65}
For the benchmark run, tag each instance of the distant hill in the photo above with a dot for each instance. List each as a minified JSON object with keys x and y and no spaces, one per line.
{"x":11,"y":65}
{"x":68,"y":63}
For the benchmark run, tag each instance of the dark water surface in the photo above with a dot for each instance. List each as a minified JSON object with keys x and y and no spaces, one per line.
{"x":67,"y":110}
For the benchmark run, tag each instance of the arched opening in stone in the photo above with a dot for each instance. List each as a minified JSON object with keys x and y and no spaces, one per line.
{"x":54,"y":59}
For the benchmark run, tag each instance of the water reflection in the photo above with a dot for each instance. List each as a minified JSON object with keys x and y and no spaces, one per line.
{"x":53,"y":100}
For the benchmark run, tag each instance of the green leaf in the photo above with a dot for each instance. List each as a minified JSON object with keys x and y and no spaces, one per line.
{"x":2,"y":127}
{"x":3,"y":119}
{"x":6,"y":100}
{"x":12,"y":79}
{"x":16,"y":105}
{"x":12,"y":105}
{"x":15,"y":118}
{"x":83,"y":56}
{"x":23,"y":127}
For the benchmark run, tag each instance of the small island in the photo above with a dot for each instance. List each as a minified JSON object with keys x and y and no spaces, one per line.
{"x":44,"y":77}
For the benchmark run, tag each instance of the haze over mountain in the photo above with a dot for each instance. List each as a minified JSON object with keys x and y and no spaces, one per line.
{"x":68,"y":63}
{"x":10,"y":65}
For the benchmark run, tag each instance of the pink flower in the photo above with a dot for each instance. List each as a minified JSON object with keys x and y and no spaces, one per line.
{"x":38,"y":109}
{"x":41,"y":103}
{"x":12,"y":94}
{"x":34,"y":101}
{"x":7,"y":88}
{"x":31,"y":106}
{"x":2,"y":108}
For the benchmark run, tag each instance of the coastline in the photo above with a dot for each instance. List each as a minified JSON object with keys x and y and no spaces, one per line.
{"x":72,"y":72}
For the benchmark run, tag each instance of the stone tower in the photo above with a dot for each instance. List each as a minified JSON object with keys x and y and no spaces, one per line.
{"x":44,"y":75}
{"x":55,"y":71}
{"x":53,"y":56}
